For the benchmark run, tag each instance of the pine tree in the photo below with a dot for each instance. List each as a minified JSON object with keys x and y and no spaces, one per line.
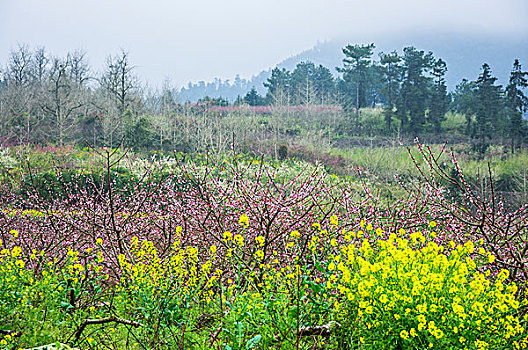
{"x":517,"y":102}
{"x":324,"y":84}
{"x":302,"y":83}
{"x":439,"y":98}
{"x":253,"y":98}
{"x":391,"y":71}
{"x":414,"y":93}
{"x":465,"y":101}
{"x":356,"y":62}
{"x":279,"y":84}
{"x":488,"y":113}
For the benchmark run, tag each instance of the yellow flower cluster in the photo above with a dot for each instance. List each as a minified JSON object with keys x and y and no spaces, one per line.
{"x":244,"y":220}
{"x":183,"y":272}
{"x":387,"y":290}
{"x":11,"y":267}
{"x":419,"y":292}
{"x":27,"y":212}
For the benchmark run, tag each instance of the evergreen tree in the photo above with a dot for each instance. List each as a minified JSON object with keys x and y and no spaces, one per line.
{"x":439,"y":98}
{"x":356,"y":62}
{"x":488,"y":113}
{"x":307,"y":84}
{"x":391,"y":71}
{"x":253,"y":98}
{"x":517,"y":102}
{"x":414,"y":94}
{"x":324,"y":84}
{"x":216,"y":101}
{"x":302,"y":83}
{"x":278,"y":84}
{"x":346,"y":91}
{"x":465,"y":101}
{"x":239,"y":101}
{"x":139,"y":132}
{"x":375,"y":87}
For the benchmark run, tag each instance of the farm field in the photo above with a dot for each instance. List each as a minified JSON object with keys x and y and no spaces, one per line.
{"x":110,"y":249}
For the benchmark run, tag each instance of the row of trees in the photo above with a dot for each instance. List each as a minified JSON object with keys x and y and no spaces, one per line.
{"x":411,"y":88}
{"x":44,"y":98}
{"x":492,"y":111}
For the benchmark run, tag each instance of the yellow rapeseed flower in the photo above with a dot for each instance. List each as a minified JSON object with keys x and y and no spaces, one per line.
{"x":239,"y":239}
{"x":244,"y":220}
{"x":491,"y":258}
{"x":260,"y":240}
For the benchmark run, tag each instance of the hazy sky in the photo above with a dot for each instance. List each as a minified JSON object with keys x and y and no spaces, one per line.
{"x":202,"y":39}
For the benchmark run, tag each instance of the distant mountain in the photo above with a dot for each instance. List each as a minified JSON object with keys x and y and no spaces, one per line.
{"x":463,"y":53}
{"x":224,"y":88}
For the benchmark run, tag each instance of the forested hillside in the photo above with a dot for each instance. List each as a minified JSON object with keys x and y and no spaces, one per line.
{"x":465,"y":54}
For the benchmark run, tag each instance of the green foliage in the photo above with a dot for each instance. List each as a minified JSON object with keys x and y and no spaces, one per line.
{"x":218,"y":101}
{"x":517,"y":103}
{"x":391,"y":69}
{"x":489,"y":110}
{"x":413,"y":98}
{"x":439,"y":97}
{"x":277,"y":84}
{"x":253,"y":98}
{"x":454,"y":122}
{"x":140,"y":133}
{"x":307,"y":84}
{"x":282,"y":152}
{"x":51,"y":186}
{"x":356,"y":63}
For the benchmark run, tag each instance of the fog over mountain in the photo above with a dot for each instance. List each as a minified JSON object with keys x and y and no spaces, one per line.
{"x":464,"y":54}
{"x":191,"y":41}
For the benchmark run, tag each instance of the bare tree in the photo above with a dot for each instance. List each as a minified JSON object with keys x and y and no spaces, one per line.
{"x":19,"y":66}
{"x":63,"y":98}
{"x":121,"y":85}
{"x":17,"y":95}
{"x":78,"y":68}
{"x":40,"y":64}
